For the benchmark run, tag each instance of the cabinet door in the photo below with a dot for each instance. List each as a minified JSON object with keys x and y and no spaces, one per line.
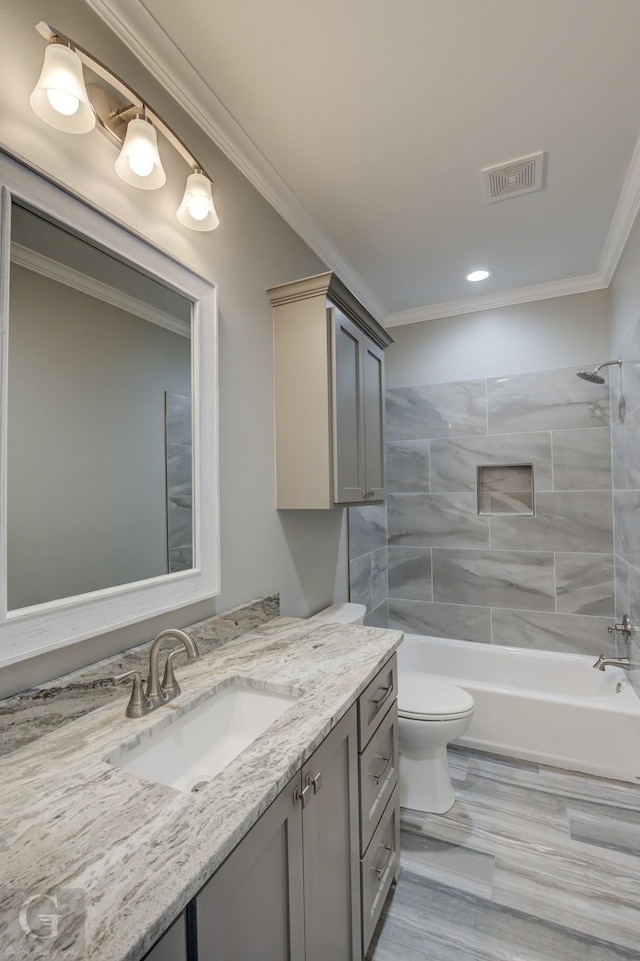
{"x":373,"y":401}
{"x":348,"y":414}
{"x":330,"y":841}
{"x":172,"y":945}
{"x":253,"y":906}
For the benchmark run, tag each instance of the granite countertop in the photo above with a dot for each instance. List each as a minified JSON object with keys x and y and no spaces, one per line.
{"x":137,"y":851}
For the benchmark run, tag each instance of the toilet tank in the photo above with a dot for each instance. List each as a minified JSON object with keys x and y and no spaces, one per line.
{"x":342,"y":613}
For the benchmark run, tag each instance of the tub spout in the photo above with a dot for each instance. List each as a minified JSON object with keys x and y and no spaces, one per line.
{"x":604,"y":661}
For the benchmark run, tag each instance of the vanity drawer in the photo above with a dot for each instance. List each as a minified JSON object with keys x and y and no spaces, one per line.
{"x":378,"y":774}
{"x":378,"y":868}
{"x":374,"y":702}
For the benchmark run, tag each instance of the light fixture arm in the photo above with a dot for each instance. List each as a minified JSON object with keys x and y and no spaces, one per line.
{"x":139,"y":104}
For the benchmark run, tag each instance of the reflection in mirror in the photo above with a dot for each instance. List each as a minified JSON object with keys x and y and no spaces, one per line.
{"x":100,"y":454}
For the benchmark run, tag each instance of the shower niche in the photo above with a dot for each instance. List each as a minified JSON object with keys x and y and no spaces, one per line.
{"x":505,"y":489}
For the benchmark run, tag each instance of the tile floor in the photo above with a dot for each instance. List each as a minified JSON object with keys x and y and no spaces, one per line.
{"x":531,"y":864}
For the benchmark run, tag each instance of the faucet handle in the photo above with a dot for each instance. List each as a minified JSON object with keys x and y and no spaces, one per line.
{"x":169,"y":684}
{"x":138,"y":705}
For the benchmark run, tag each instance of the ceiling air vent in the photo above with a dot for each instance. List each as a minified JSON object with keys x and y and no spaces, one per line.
{"x":517,"y":177}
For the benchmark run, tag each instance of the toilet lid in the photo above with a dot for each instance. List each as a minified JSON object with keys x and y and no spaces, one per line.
{"x":422,"y":695}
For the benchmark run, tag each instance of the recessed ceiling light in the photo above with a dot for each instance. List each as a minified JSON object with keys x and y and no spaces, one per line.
{"x":479,"y":274}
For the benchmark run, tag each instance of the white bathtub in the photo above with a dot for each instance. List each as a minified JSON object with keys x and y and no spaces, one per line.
{"x":537,"y":705}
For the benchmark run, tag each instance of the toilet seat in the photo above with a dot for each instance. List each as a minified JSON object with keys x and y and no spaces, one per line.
{"x":424,"y":698}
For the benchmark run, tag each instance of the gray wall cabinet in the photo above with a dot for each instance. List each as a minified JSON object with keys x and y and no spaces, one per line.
{"x":290,"y":891}
{"x":329,"y":396}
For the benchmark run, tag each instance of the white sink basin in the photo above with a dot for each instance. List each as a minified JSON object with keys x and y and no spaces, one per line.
{"x":195,"y":745}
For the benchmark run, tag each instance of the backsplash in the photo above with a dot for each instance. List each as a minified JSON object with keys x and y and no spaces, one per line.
{"x":28,"y":716}
{"x":542,"y":581}
{"x":625,"y":417}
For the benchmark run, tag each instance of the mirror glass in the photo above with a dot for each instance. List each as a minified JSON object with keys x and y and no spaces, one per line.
{"x":99,"y":436}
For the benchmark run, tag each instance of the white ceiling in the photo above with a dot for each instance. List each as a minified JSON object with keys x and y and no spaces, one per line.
{"x":367,"y":123}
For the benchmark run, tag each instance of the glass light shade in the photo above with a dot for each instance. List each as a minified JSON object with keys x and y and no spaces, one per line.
{"x":139,"y":163}
{"x":60,"y":97}
{"x":197,"y":210}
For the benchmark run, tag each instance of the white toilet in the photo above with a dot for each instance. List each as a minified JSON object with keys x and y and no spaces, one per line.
{"x":431,"y":713}
{"x":342,"y":614}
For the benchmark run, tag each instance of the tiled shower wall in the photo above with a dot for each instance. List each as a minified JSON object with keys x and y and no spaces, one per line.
{"x":543,"y":581}
{"x":625,"y":417}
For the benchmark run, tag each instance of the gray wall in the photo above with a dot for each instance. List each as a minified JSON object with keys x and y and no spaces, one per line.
{"x":86,"y":499}
{"x":302,"y":554}
{"x":543,"y":335}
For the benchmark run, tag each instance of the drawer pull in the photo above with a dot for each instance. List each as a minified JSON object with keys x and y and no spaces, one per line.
{"x":379,"y":701}
{"x":381,"y":871}
{"x":378,"y":777}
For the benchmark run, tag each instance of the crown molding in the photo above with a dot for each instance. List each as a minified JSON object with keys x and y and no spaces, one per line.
{"x":623,"y":219}
{"x":146,"y":39}
{"x":70,"y":277}
{"x":505,"y":298}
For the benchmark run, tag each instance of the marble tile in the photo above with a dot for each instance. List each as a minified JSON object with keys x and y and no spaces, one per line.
{"x":426,"y":921}
{"x":512,"y":579}
{"x":563,"y":521}
{"x":614,"y":828}
{"x":567,"y":633}
{"x":626,"y":512}
{"x":530,"y":864}
{"x":407,"y":463}
{"x":179,"y":471}
{"x":378,"y":617}
{"x":454,"y":461}
{"x":360,"y":581}
{"x":410,"y":573}
{"x":545,"y":400}
{"x":367,"y":529}
{"x":582,"y":459}
{"x":630,"y":436}
{"x":179,"y":521}
{"x":177,"y":418}
{"x":445,"y":863}
{"x":436,"y":410}
{"x":621,"y":580}
{"x":442,"y":520}
{"x":458,"y":621}
{"x":618,"y":456}
{"x":379,"y":578}
{"x":633,"y":649}
{"x":180,"y":559}
{"x":584,"y":584}
{"x":505,"y":490}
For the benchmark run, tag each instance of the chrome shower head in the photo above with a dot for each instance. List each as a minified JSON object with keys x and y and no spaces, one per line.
{"x":593,"y":376}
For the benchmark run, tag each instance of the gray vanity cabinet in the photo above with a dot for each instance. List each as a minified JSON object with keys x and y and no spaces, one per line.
{"x":329,"y":396}
{"x":172,"y":946}
{"x":290,"y":890}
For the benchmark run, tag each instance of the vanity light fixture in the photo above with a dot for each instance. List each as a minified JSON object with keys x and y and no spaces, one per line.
{"x":63,"y":101}
{"x":480,"y":273}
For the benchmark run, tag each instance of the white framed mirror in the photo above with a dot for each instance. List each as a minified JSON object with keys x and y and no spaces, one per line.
{"x":108,"y":423}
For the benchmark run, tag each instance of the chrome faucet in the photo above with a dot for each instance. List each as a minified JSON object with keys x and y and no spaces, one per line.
{"x":604,"y":661}
{"x":157,"y":693}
